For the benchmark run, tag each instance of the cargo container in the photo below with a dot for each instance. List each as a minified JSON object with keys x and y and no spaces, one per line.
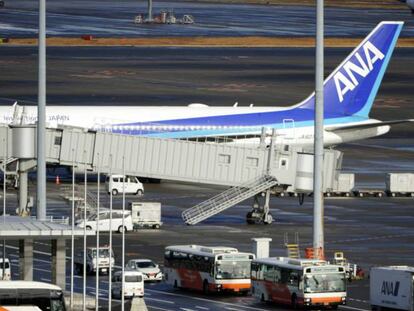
{"x":392,"y":288}
{"x":344,"y":185}
{"x":146,"y":214}
{"x":400,"y":184}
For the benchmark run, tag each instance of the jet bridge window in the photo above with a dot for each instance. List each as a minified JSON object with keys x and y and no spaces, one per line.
{"x":283,"y":163}
{"x":224,"y":158}
{"x":251,"y":161}
{"x":58,"y":140}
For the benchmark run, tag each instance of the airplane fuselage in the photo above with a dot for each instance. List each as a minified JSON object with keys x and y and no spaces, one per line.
{"x":184,"y":122}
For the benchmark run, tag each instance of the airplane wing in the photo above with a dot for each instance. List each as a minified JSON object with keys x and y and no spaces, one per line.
{"x":366,"y":125}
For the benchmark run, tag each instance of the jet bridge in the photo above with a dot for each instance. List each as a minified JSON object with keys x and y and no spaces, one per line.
{"x":249,"y":170}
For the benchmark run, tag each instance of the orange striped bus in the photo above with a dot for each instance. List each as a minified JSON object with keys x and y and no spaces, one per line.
{"x":299,"y":282}
{"x":208,"y":269}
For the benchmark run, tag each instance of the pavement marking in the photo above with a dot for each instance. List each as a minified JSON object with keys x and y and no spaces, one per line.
{"x":161,"y":300}
{"x":158,"y":308}
{"x":202,"y":308}
{"x":359,"y":300}
{"x":352,"y":308}
{"x":230,"y":308}
{"x":207,"y":300}
{"x":187,"y":309}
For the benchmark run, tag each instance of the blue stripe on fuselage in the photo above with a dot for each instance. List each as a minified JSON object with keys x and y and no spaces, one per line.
{"x":240,"y":123}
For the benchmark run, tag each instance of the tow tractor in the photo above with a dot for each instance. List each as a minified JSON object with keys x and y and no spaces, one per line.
{"x":353,"y":271}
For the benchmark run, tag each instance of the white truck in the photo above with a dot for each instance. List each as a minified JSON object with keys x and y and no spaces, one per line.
{"x":146,"y":214}
{"x":92,"y":263}
{"x":392,"y":288}
{"x":400,"y":184}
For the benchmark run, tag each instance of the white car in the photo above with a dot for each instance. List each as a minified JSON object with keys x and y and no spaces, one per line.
{"x":134,"y":284}
{"x":150,"y":270}
{"x":105,"y":223}
{"x":128,"y":184}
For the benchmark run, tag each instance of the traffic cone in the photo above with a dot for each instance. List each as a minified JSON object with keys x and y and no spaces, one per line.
{"x":57,"y":180}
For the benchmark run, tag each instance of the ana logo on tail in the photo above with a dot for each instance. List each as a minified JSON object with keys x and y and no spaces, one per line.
{"x":347,"y":81}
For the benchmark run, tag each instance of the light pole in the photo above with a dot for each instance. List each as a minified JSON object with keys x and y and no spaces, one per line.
{"x":318,"y":235}
{"x":41,"y":116}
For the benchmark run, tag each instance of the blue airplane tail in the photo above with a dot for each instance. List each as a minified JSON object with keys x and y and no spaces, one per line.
{"x":351,"y":88}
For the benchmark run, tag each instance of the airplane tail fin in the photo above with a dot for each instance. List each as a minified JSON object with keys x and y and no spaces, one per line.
{"x":351,"y":88}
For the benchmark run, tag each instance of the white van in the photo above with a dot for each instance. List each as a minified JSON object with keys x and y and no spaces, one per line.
{"x":115,"y":184}
{"x":134,"y":284}
{"x":104,"y":221}
{"x":7,"y":271}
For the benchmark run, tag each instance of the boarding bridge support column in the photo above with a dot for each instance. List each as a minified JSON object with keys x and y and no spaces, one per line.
{"x":261,"y":211}
{"x":23,"y":190}
{"x":26,"y":260}
{"x":24,"y":166}
{"x":59,"y":262}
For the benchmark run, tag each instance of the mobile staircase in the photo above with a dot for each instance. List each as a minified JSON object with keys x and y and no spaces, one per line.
{"x":292,"y":249}
{"x":227,"y":199}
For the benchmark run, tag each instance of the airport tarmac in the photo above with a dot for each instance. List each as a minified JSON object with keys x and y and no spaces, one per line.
{"x":148,"y":76}
{"x":370,"y":231}
{"x":115,"y":19}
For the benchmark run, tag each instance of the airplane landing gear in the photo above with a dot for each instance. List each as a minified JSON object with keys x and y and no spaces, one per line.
{"x":260,"y":213}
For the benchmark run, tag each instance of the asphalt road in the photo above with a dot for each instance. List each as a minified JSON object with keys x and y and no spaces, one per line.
{"x":180,"y":76}
{"x":107,"y":18}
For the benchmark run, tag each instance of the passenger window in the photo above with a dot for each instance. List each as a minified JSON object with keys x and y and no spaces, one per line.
{"x":268,"y":274}
{"x":294,"y":279}
{"x":8,"y":297}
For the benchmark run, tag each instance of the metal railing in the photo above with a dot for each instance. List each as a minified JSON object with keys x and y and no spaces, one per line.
{"x":227,"y":199}
{"x":56,"y":220}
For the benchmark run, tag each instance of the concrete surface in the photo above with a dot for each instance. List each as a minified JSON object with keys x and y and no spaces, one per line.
{"x":115,"y":19}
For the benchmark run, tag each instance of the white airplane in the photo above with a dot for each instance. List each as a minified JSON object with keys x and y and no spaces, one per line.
{"x":349,"y":94}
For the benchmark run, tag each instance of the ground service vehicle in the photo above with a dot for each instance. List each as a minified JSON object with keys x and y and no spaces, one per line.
{"x":105,"y":222}
{"x":6,"y":268}
{"x":299,"y":282}
{"x":400,"y":184}
{"x":128,"y":184}
{"x":91,"y":263}
{"x":206,"y":268}
{"x":47,"y":297}
{"x":134,"y":284}
{"x":150,"y":270}
{"x":146,"y":214}
{"x":392,"y":288}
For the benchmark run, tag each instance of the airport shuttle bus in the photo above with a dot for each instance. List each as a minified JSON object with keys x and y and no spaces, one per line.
{"x":210,"y":269}
{"x":299,"y":282}
{"x":47,"y":297}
